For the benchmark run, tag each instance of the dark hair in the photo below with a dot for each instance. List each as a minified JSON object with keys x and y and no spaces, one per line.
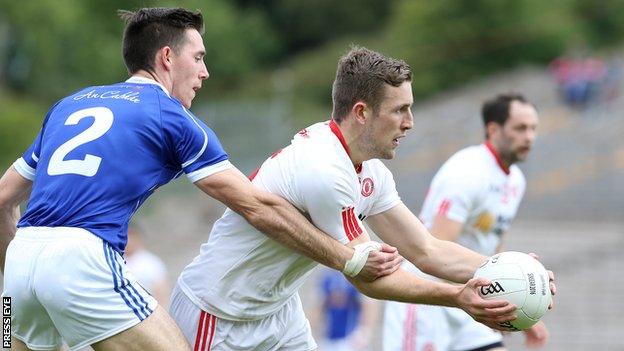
{"x":497,"y":109}
{"x":150,"y":29}
{"x":361,"y":75}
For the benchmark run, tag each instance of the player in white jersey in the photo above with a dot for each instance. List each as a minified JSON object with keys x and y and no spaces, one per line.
{"x":472,"y":200}
{"x":240,"y":293}
{"x":100,"y":153}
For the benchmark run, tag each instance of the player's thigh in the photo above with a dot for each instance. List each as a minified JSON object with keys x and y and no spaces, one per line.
{"x":158,"y":332}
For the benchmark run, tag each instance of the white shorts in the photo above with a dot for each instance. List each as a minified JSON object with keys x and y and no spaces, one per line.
{"x":68,"y":284}
{"x":288,"y":329}
{"x":409,"y":327}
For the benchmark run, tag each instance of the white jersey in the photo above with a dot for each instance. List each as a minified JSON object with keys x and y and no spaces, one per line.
{"x":241,"y":274}
{"x":474,"y":188}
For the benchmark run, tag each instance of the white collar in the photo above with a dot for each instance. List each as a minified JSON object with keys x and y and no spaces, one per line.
{"x":143,"y":80}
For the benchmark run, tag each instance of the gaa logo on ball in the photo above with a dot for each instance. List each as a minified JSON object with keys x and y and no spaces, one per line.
{"x":521,"y":280}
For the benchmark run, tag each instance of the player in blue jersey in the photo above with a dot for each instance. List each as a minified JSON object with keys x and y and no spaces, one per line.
{"x":100,"y":153}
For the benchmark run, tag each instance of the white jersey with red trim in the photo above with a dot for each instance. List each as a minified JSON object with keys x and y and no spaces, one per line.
{"x":241,"y":274}
{"x":474,"y":188}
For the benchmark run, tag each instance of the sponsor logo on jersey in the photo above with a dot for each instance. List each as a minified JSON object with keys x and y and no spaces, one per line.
{"x":367,"y":187}
{"x":492,"y":289}
{"x":111,"y":94}
{"x":485,"y":222}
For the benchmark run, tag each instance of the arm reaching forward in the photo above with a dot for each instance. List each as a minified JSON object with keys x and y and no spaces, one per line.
{"x":444,"y":259}
{"x":406,"y":287}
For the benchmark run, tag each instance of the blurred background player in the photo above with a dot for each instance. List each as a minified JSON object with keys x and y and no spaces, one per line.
{"x":149,"y":269}
{"x":343,"y":318}
{"x":472,"y":200}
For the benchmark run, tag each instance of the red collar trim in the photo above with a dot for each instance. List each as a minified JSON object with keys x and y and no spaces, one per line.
{"x":499,"y":161}
{"x":336,"y":130}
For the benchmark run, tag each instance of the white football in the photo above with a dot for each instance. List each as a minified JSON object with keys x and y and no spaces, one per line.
{"x":521,"y":280}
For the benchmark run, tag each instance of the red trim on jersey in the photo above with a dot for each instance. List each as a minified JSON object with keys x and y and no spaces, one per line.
{"x":201,"y":335}
{"x":356,"y":226}
{"x":205,"y":331}
{"x":336,"y":130}
{"x":497,"y":157}
{"x":345,"y":225}
{"x":350,"y":224}
{"x":445,"y":205}
{"x":213,"y":325}
{"x":254,"y":174}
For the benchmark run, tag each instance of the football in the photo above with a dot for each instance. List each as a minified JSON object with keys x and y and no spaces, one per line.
{"x":521,"y":280}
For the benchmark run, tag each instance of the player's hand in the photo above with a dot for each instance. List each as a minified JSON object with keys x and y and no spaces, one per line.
{"x":551,"y":280}
{"x":489,"y":312}
{"x":536,"y":336}
{"x":381,"y":263}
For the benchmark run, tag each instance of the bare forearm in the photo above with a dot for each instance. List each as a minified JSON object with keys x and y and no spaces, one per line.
{"x":450,"y":261}
{"x":283,"y":223}
{"x":403,"y":286}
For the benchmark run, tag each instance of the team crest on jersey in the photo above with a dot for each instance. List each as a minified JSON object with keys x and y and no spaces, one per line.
{"x":484,"y":222}
{"x":367,"y":187}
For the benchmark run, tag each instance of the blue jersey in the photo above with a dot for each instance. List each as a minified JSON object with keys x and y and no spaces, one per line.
{"x":103,"y":150}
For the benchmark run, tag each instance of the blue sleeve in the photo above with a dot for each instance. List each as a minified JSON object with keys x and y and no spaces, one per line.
{"x":194,"y":147}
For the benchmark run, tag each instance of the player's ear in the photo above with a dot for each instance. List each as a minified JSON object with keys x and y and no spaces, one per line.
{"x":361,"y":111}
{"x":492,"y":129}
{"x":164,"y":56}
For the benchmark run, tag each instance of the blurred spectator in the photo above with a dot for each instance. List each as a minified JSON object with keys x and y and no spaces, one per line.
{"x":612,"y":81}
{"x":149,"y":269}
{"x":579,"y":78}
{"x":347,"y":318}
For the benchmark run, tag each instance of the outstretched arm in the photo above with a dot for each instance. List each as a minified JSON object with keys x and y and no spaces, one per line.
{"x":282,"y":222}
{"x":14,"y":190}
{"x":406,"y":287}
{"x":444,"y":259}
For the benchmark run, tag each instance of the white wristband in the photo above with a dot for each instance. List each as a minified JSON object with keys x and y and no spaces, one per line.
{"x":360,"y":255}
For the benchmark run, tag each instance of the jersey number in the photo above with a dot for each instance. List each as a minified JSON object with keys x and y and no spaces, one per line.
{"x":88,"y":166}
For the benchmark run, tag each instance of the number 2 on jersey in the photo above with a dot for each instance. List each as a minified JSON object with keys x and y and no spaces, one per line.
{"x":88,"y":166}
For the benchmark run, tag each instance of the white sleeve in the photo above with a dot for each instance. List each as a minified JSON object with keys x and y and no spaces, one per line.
{"x":387,"y":195}
{"x":328,"y":193}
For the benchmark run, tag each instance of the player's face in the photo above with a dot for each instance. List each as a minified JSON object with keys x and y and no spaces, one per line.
{"x":391,"y":123}
{"x":188,"y":68}
{"x":519,"y":132}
